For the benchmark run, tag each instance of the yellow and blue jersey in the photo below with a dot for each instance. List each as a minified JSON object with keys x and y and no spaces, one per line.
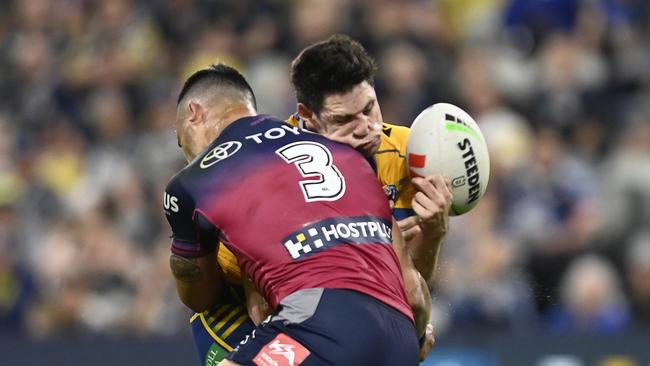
{"x":218,"y":331}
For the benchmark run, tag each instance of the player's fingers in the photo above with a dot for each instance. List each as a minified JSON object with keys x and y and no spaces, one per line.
{"x":437,"y":180}
{"x":448,"y":183}
{"x":408,"y":223}
{"x":438,"y":222}
{"x":433,"y":187}
{"x":426,"y":203}
{"x":423,"y":213}
{"x":447,"y":190}
{"x":427,"y":343}
{"x":424,"y":185}
{"x":426,"y":191}
{"x":442,"y":184}
{"x":436,"y":203}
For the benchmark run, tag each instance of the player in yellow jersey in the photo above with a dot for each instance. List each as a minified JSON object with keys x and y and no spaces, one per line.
{"x":334,"y":87}
{"x":337,"y":100}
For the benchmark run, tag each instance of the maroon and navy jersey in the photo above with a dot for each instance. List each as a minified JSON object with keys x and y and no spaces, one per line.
{"x":299,"y":211}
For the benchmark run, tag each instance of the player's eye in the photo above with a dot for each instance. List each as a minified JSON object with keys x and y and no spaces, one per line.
{"x":368,"y":108}
{"x":341,"y":120}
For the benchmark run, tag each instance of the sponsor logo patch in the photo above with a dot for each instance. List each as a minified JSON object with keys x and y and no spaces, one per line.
{"x":328,"y":233}
{"x":391,"y":192}
{"x":221,"y":152}
{"x":282,"y":351}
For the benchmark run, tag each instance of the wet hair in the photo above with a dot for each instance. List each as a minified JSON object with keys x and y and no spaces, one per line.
{"x":333,"y":66}
{"x":217,"y":77}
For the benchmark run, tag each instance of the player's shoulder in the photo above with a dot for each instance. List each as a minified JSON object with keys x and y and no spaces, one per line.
{"x":179,"y":179}
{"x":394,"y":137}
{"x":178,"y":187}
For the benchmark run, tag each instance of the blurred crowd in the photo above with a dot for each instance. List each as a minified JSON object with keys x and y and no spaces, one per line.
{"x":560,"y":89}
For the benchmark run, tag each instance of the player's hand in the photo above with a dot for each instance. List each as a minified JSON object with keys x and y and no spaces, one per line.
{"x":431,"y":204}
{"x":258,"y":308}
{"x":428,"y":342}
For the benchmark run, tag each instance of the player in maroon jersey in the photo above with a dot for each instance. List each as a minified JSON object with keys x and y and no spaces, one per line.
{"x":308,"y":222}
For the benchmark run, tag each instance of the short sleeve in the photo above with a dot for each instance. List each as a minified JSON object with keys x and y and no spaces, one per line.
{"x":180,"y":210}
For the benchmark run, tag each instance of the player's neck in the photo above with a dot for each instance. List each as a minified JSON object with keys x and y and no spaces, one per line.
{"x":231,"y":114}
{"x":218,"y":120}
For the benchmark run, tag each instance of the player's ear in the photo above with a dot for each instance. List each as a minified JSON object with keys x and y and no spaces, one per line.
{"x":306,"y":115}
{"x":197,"y":112}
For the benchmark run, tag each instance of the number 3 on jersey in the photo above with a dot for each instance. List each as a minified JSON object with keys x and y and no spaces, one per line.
{"x":315,"y":160}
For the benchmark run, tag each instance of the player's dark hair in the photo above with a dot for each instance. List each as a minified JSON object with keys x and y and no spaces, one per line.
{"x":216,"y":76}
{"x":333,"y":66}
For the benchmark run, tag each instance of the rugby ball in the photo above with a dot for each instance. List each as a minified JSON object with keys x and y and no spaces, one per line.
{"x":444,"y":139}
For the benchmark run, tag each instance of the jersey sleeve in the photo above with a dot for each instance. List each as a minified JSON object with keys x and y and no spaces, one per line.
{"x":192,"y":233}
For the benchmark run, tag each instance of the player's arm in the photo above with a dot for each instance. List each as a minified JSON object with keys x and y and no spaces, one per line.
{"x":258,"y":308}
{"x":417,"y":291}
{"x":193,"y":250}
{"x":425,"y":231}
{"x":198,"y":282}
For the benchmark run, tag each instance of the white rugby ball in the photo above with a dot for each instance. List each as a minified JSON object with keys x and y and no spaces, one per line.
{"x":444,"y":139}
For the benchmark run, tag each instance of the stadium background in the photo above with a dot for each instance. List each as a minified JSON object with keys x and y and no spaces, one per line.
{"x":552,"y":268}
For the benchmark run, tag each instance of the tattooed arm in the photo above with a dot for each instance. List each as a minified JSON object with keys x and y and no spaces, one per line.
{"x":198,"y":281}
{"x":194,"y":249}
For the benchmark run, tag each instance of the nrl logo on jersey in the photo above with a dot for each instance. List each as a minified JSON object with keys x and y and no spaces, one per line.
{"x":391,"y":192}
{"x":219,"y":153}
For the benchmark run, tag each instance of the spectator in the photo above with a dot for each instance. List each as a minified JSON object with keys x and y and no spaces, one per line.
{"x":591,"y":299}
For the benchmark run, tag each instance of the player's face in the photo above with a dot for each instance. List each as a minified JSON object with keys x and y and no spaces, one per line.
{"x":353,"y":118}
